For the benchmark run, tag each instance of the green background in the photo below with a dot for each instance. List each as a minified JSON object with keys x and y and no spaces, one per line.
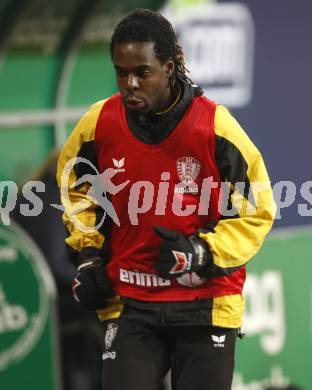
{"x":288,"y":254}
{"x":23,"y":283}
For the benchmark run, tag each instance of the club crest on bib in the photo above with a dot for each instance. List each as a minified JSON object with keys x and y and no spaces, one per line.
{"x":188,"y":169}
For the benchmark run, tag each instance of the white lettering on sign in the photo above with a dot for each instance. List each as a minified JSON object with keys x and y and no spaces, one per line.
{"x":8,"y":254}
{"x":218,"y":42}
{"x":265,"y":313}
{"x":215,"y":53}
{"x":12,"y":317}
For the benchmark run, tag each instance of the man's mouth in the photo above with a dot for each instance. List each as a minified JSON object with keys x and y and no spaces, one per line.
{"x":134,"y":103}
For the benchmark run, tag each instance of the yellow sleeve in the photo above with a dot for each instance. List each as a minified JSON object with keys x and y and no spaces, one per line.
{"x":80,"y":211}
{"x":236,"y":239}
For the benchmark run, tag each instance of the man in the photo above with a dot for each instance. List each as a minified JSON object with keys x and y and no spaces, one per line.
{"x":166,"y":271}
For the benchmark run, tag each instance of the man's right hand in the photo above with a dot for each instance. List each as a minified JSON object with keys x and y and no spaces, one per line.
{"x":92,"y":286}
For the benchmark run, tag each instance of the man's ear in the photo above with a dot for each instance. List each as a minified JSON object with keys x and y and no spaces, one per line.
{"x":169,"y":69}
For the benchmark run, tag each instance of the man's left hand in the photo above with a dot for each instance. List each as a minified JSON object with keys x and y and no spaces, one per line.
{"x":179,"y":254}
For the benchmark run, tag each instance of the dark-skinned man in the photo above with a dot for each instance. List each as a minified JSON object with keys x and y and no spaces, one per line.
{"x":166,"y":268}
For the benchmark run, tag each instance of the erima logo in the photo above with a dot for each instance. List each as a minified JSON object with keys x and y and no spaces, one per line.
{"x":218,"y":341}
{"x":142,"y":279}
{"x":119,"y":164}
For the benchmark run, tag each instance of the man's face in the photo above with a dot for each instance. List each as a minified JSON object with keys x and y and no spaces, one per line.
{"x":142,"y":79}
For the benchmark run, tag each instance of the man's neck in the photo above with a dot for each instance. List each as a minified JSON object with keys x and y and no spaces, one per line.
{"x":175,"y":96}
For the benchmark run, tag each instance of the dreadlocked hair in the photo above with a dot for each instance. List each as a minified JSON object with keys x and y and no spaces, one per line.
{"x":144,"y":25}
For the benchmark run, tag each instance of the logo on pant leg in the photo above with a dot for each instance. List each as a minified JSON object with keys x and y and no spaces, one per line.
{"x":110,"y":334}
{"x":218,"y":341}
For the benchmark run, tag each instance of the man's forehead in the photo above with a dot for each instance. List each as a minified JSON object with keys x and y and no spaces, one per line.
{"x":136,"y":53}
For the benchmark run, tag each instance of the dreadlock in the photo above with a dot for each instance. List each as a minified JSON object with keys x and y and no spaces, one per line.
{"x":144,"y":25}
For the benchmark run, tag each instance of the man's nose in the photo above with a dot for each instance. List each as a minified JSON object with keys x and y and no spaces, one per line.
{"x":132,"y":82}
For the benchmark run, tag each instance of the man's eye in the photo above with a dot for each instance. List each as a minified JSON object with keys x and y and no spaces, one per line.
{"x":143,"y":73}
{"x":121,"y":72}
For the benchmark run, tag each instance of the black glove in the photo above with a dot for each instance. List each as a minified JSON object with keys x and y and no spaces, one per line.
{"x":179,"y":254}
{"x":91,"y":286}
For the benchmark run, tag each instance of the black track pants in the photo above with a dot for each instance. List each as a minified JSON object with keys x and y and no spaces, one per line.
{"x":137,"y":356}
